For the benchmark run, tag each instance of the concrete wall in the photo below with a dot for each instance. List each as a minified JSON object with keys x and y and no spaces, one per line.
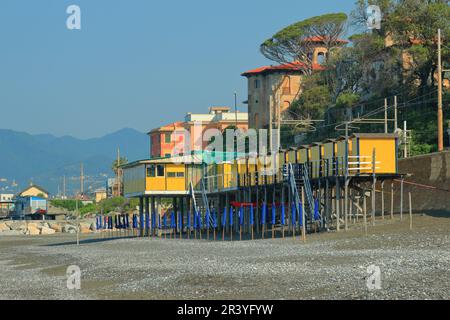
{"x":432,"y":170}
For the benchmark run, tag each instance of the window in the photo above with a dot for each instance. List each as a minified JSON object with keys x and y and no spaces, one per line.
{"x":256,"y":83}
{"x":167,"y":137}
{"x":321,"y":58}
{"x":160,"y":170}
{"x":175,"y":174}
{"x":151,"y":171}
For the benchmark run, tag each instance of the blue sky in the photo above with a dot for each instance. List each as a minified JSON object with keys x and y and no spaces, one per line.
{"x":134,"y":63}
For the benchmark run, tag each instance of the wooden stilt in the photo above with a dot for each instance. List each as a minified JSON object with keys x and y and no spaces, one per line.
{"x":382,"y":200}
{"x":365,"y":213}
{"x":401,"y":201}
{"x":392,"y":200}
{"x":410,"y":212}
{"x":338,"y":206}
{"x":303,"y":216}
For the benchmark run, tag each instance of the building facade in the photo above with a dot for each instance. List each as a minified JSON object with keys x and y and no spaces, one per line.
{"x":272,"y":89}
{"x":34,"y":191}
{"x":30,"y":208}
{"x":6,"y":204}
{"x":183,"y":137}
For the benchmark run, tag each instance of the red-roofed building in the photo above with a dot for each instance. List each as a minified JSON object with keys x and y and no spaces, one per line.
{"x":162,"y":141}
{"x":175,"y":138}
{"x":272,"y":89}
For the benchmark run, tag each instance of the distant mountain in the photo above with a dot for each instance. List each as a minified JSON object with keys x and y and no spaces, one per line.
{"x":44,"y":159}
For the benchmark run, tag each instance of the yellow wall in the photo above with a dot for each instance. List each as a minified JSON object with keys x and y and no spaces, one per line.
{"x":302,"y":155}
{"x":340,"y":154}
{"x":316,"y":157}
{"x":329,"y":149}
{"x":175,"y":177}
{"x":291,"y":156}
{"x":99,"y":196}
{"x":230,"y":176}
{"x":242,"y":169}
{"x":156,"y":183}
{"x":385,"y":153}
{"x":33,"y":192}
{"x":252,"y":169}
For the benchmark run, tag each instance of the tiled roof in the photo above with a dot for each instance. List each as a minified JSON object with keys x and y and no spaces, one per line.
{"x":320,"y":39}
{"x":293,"y":66}
{"x":169,"y":127}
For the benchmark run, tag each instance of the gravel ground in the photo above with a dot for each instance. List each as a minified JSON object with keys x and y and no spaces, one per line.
{"x":414,"y":265}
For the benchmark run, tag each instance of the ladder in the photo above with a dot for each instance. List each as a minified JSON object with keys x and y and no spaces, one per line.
{"x":308,"y":192}
{"x":200,"y":200}
{"x":298,"y":176}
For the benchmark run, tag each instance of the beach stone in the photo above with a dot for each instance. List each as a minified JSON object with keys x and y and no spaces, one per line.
{"x":33,"y":231}
{"x":46,"y":231}
{"x":44,"y":225}
{"x":68,"y":228}
{"x":11,"y":233}
{"x":85,"y":229}
{"x":4,"y":227}
{"x":9,"y":223}
{"x":85,"y":225}
{"x":57,"y":227}
{"x":18,"y":225}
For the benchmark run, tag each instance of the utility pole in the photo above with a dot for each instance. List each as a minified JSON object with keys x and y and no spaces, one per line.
{"x":64,"y":187}
{"x":405,"y":141}
{"x":279,"y":123}
{"x":395,"y":114}
{"x":440,"y":116}
{"x":346,"y":182}
{"x":385,"y":116}
{"x":235,"y":109}
{"x":118,"y":173}
{"x":81,"y":179}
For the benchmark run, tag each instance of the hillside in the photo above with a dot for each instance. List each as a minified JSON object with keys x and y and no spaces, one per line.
{"x":44,"y":158}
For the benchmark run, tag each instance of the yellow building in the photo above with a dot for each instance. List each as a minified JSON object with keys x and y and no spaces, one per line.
{"x":100,"y":195}
{"x":34,"y":191}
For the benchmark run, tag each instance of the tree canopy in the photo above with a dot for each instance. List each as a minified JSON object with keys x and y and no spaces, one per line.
{"x":295,"y":42}
{"x":398,"y":59}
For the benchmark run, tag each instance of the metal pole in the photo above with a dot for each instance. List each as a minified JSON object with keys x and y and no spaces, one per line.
{"x":338,"y":205}
{"x":395,"y":114}
{"x":235,"y":109}
{"x":346,"y":182}
{"x":374,"y":177}
{"x":365,"y":214}
{"x":382,"y":200}
{"x":385,"y":116}
{"x":405,"y":141}
{"x":392,"y":200}
{"x":401,"y":200}
{"x":410,"y":212}
{"x":303,"y":215}
{"x":440,"y":116}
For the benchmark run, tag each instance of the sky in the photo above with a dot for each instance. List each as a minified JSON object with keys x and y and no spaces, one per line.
{"x":134,"y":63}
